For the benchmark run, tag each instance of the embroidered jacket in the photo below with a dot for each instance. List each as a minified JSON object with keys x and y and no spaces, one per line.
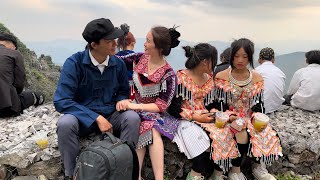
{"x":191,"y":98}
{"x":244,"y":101}
{"x":158,"y":88}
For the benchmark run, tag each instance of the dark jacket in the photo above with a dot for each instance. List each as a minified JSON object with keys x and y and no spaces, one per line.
{"x":12,"y":78}
{"x":221,"y":67}
{"x":86,"y":93}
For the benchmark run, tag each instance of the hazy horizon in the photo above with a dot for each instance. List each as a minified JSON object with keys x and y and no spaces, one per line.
{"x":70,"y":46}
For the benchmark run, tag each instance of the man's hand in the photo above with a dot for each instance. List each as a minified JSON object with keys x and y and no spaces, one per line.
{"x":103,"y":124}
{"x":123,"y":104}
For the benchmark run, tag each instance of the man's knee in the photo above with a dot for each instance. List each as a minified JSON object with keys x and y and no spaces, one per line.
{"x":132,"y":119}
{"x":67,"y":124}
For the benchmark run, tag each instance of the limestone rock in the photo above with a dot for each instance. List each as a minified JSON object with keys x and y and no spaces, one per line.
{"x":25,"y":178}
{"x":3,"y":172}
{"x":19,"y":149}
{"x":298,"y":130}
{"x":51,"y":169}
{"x":42,"y":177}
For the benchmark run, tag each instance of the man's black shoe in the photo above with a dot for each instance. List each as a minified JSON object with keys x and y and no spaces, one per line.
{"x":40,"y":98}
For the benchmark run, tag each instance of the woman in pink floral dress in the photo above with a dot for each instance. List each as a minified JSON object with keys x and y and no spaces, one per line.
{"x":239,"y":92}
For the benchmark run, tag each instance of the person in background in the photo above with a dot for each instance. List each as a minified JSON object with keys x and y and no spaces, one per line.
{"x":154,"y":86}
{"x":224,"y":58}
{"x":304,"y":89}
{"x":274,"y":80}
{"x":195,"y":85}
{"x":12,"y":79}
{"x":92,"y":83}
{"x":126,"y":45}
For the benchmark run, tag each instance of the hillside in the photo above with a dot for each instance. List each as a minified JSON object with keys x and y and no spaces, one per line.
{"x":42,"y":74}
{"x":290,"y":63}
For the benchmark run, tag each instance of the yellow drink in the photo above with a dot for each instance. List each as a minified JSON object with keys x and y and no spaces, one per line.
{"x":220,"y":124}
{"x":260,"y":122}
{"x":42,"y":143}
{"x":221,"y":119}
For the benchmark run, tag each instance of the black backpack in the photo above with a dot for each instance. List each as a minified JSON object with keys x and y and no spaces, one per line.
{"x":108,"y":159}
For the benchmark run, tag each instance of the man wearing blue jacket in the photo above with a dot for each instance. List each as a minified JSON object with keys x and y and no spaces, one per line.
{"x":92,"y":83}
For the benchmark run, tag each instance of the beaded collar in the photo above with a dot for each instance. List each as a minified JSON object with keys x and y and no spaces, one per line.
{"x":240,"y":83}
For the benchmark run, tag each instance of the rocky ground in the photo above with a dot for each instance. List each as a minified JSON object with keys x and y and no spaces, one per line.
{"x":22,"y":159}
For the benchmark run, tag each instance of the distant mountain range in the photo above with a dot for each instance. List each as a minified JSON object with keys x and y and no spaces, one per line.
{"x":290,"y":63}
{"x":289,"y":58}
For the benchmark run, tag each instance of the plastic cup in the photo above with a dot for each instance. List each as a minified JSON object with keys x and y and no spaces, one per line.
{"x":41,"y":139}
{"x":221,"y":119}
{"x":260,"y":121}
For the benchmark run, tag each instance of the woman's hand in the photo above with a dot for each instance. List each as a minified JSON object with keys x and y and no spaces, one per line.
{"x":204,"y":118}
{"x":123,"y":104}
{"x":233,"y":117}
{"x":213,"y":110}
{"x":134,"y":106}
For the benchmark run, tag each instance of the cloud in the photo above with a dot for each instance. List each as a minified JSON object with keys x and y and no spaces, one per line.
{"x":250,"y":9}
{"x":245,"y":4}
{"x":200,"y":21}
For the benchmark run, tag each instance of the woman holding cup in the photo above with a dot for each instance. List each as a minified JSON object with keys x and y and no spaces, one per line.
{"x":238,"y":91}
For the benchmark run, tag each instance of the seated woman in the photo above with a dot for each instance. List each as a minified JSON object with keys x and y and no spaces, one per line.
{"x":195,"y":87}
{"x":304,"y":89}
{"x":154,"y":85}
{"x":239,"y":92}
{"x":126,"y":45}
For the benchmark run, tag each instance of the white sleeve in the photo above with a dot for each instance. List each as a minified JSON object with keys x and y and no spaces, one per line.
{"x":295,"y":83}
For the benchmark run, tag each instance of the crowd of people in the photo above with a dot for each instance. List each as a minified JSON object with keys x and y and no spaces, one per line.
{"x":138,"y":97}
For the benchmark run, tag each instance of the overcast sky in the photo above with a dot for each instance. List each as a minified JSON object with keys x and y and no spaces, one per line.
{"x":200,"y":21}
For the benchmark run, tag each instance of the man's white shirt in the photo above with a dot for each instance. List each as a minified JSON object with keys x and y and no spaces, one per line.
{"x":274,"y":84}
{"x":96,"y":63}
{"x":305,"y":88}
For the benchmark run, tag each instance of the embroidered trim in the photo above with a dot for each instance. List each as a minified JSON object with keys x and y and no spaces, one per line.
{"x":142,"y":68}
{"x":209,"y":97}
{"x":186,"y":88}
{"x":264,"y":145}
{"x":126,"y":56}
{"x":151,"y":90}
{"x":162,"y":105}
{"x":145,"y":139}
{"x":223,"y":146}
{"x":241,"y":98}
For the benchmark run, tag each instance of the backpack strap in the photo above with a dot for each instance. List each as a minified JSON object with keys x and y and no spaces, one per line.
{"x":135,"y":169}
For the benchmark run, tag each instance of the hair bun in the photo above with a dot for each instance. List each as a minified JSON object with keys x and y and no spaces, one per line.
{"x":124,"y":27}
{"x":174,"y":36}
{"x":188,"y":51}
